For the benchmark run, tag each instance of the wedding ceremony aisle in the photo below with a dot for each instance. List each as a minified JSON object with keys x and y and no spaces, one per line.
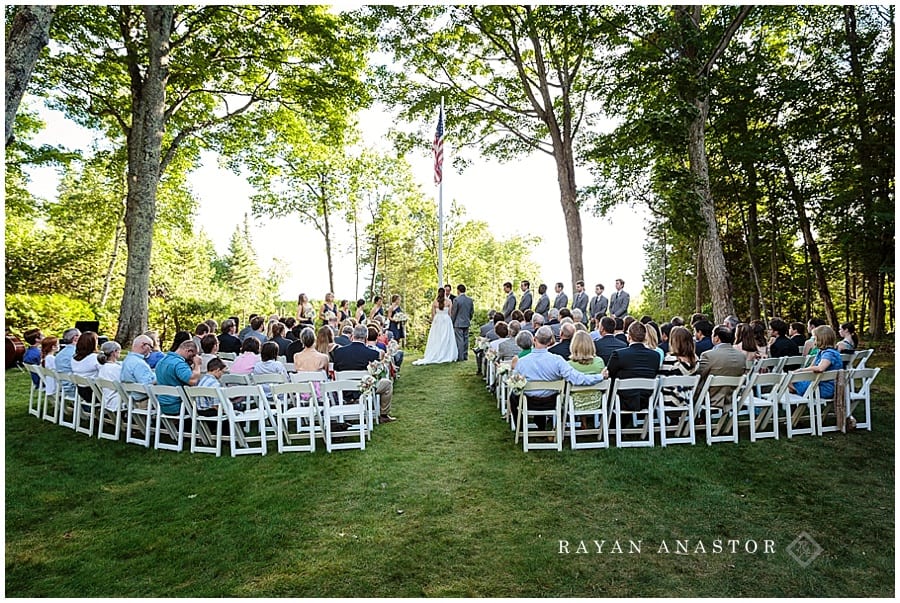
{"x":443,"y":503}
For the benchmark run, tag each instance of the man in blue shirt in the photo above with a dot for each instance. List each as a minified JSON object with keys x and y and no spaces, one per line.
{"x":64,"y":358}
{"x":178,"y":368}
{"x":32,"y":355}
{"x":135,"y":368}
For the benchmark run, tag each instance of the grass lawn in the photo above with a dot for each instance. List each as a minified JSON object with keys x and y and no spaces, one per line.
{"x":442,"y":503}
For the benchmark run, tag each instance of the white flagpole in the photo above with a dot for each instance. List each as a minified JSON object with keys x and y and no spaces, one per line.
{"x":441,"y":212}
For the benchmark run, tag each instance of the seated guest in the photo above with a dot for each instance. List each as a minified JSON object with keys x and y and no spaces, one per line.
{"x":497,"y":319}
{"x":135,"y":368}
{"x":781,"y":345}
{"x":297,"y":345}
{"x":703,"y":330}
{"x":563,"y":346}
{"x":268,"y":365}
{"x":731,"y":322}
{"x":111,"y":370}
{"x":583,"y":360}
{"x":501,"y":331}
{"x":209,"y":345}
{"x":620,"y":331}
{"x":652,"y":340}
{"x":537,"y":321}
{"x":540,"y":365}
{"x":828,"y":358}
{"x":309,"y":358}
{"x":32,"y":355}
{"x":696,"y":317}
{"x":677,"y":321}
{"x":180,"y":337}
{"x":745,"y":342}
{"x":49,"y":348}
{"x":759,"y":337}
{"x":257,"y":329}
{"x":553,"y":318}
{"x":344,"y":337}
{"x":243,"y":333}
{"x":721,"y":360}
{"x":84,"y":362}
{"x":664,"y":331}
{"x":849,"y":341}
{"x":809,"y":346}
{"x":608,"y":342}
{"x":372,"y":342}
{"x":178,"y":368}
{"x":156,"y":353}
{"x":577,"y":315}
{"x":681,"y":361}
{"x":488,"y":326}
{"x":228,"y":342}
{"x":201,"y":330}
{"x":212,"y":324}
{"x":797,"y":333}
{"x":356,"y":357}
{"x":325,"y":340}
{"x":279,"y":338}
{"x":634,"y":361}
{"x":525,"y":342}
{"x":208,"y":406}
{"x":289,"y":323}
{"x":508,"y":348}
{"x":249,"y":356}
{"x":64,"y":358}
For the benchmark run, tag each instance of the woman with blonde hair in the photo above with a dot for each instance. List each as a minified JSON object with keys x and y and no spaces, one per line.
{"x":583,"y":359}
{"x":325,"y":340}
{"x":828,"y":358}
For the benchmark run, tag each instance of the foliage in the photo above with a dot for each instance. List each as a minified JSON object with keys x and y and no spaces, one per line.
{"x":53,"y":313}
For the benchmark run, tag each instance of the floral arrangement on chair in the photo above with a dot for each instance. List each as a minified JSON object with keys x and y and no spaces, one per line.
{"x":367,"y":384}
{"x":503,"y":368}
{"x":482,"y":344}
{"x":516,"y":383}
{"x":400,"y":317}
{"x":392,"y":348}
{"x":377,"y":369}
{"x":490,"y":354}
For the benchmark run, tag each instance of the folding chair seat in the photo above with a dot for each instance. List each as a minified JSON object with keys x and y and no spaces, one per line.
{"x":371,"y":400}
{"x":760,"y":397}
{"x":87,"y":408}
{"x":794,"y":405}
{"x":296,"y":403}
{"x":51,"y":396}
{"x":725,"y":415}
{"x":859,"y":361}
{"x":792,"y":363}
{"x":111,"y":416}
{"x":583,"y":402}
{"x":848,"y":359}
{"x":554,"y":415}
{"x":36,"y":392}
{"x":256,"y":413}
{"x":676,"y":411}
{"x":859,"y":390}
{"x":140,"y":414}
{"x":68,"y":399}
{"x":825,"y":407}
{"x":170,"y":424}
{"x":206,"y":432}
{"x":644,"y":431}
{"x":335,"y":411}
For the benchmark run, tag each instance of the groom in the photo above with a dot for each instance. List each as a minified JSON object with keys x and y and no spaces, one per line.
{"x":461,"y":314}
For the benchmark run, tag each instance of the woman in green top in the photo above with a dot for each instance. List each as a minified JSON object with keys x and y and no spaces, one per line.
{"x":525,"y":340}
{"x":583,"y":359}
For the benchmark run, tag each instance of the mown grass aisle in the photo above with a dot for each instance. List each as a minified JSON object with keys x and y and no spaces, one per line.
{"x":442,"y":503}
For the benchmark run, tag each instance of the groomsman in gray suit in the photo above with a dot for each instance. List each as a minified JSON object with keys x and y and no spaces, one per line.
{"x":618,"y":302}
{"x":461,"y":314}
{"x":510,"y":304}
{"x":599,"y":303}
{"x":525,"y":302}
{"x":562,"y":300}
{"x":580,"y":301}
{"x":543,"y":304}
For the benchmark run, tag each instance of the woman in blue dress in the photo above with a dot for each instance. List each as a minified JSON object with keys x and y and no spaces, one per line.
{"x":827,"y":359}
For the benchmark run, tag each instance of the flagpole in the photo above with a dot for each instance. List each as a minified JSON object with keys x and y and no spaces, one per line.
{"x":441,"y":217}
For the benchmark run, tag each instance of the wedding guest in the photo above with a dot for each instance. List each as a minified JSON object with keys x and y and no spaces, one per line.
{"x":608,"y":342}
{"x":135,"y":368}
{"x":356,"y":357}
{"x":179,"y":368}
{"x":509,"y":348}
{"x":583,"y":360}
{"x":325,"y":340}
{"x":664,"y":331}
{"x":634,"y":361}
{"x":397,"y":329}
{"x":372,"y":336}
{"x":289,"y":323}
{"x":305,"y":311}
{"x":201,"y":330}
{"x":111,"y":370}
{"x":249,"y":356}
{"x":32,"y":355}
{"x":180,"y":337}
{"x":84,"y":362}
{"x":681,"y":361}
{"x":652,"y":340}
{"x":344,"y":337}
{"x":849,"y":341}
{"x":501,"y":330}
{"x":243,"y":333}
{"x":797,"y":333}
{"x":809,"y":346}
{"x":745,"y":342}
{"x":256,"y":329}
{"x":228,"y":342}
{"x":208,"y":406}
{"x":156,"y":353}
{"x":563,"y":347}
{"x":525,"y":341}
{"x":49,"y":348}
{"x":278,"y":337}
{"x":64,"y":358}
{"x":759,"y":337}
{"x":309,"y":359}
{"x":360,"y":315}
{"x":828,"y":358}
{"x":209,"y":346}
{"x":212,"y":324}
{"x":268,"y":365}
{"x":722,"y":360}
{"x":703,"y":330}
{"x":782,"y":345}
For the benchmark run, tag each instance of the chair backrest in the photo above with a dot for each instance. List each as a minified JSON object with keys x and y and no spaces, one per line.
{"x":305,"y":376}
{"x":36,"y":370}
{"x":285,"y":392}
{"x":336,"y":389}
{"x":115,"y":386}
{"x":862,"y":356}
{"x":227,"y":356}
{"x":157,"y":390}
{"x":795,"y":362}
{"x":642,"y":383}
{"x":558,"y":386}
{"x":194,"y":392}
{"x":597,"y":387}
{"x":722,"y":381}
{"x":772,"y":365}
{"x":135,"y":388}
{"x":267,"y":378}
{"x":230,"y":380}
{"x":289,"y":367}
{"x":847,"y":359}
{"x":350,"y":375}
{"x":282,"y":359}
{"x":825,"y":377}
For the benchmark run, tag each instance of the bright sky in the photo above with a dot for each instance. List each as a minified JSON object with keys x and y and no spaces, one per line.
{"x":521,"y":197}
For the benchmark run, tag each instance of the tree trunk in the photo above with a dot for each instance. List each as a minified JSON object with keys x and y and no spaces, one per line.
{"x":568,"y":198}
{"x":698,"y":282}
{"x":107,"y":279}
{"x":144,"y":154}
{"x":327,"y":233}
{"x":815,"y":258}
{"x":713,"y":257}
{"x":28,"y":34}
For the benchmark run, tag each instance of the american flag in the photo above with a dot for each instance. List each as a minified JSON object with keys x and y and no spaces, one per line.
{"x":439,"y":148}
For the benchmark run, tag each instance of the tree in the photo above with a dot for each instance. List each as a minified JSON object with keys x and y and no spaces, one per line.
{"x":517,"y":79}
{"x":159,"y":77}
{"x":27,"y":36}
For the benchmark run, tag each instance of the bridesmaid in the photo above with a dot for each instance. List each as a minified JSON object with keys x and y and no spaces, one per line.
{"x":396,"y":328}
{"x":360,"y":311}
{"x":304,"y":311}
{"x":327,"y":306}
{"x":343,"y":311}
{"x":377,"y":307}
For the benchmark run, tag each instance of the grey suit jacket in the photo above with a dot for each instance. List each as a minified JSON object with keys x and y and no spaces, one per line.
{"x":561,"y":301}
{"x":509,"y":305}
{"x":462,"y":311}
{"x":618,"y":303}
{"x":580,"y":301}
{"x":543,"y":305}
{"x":599,"y":304}
{"x":722,"y":360}
{"x":525,"y":302}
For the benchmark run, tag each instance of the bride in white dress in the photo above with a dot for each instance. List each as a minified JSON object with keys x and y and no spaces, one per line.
{"x":441,"y":346}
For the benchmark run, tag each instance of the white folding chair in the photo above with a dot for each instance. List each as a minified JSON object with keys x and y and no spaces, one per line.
{"x":256,"y":413}
{"x":207,"y":432}
{"x":83,"y":407}
{"x":140,"y":414}
{"x":824,"y":407}
{"x":37,"y":390}
{"x":859,"y":390}
{"x":725,"y":415}
{"x":554,"y":415}
{"x":583,"y":402}
{"x":792,"y":363}
{"x":51,"y":396}
{"x":230,"y":356}
{"x":859,"y":361}
{"x":336,"y":411}
{"x":68,"y":399}
{"x":229,"y":380}
{"x":110,"y":416}
{"x":643,"y":431}
{"x":169,"y":423}
{"x":680,"y":406}
{"x":761,"y":397}
{"x":371,"y":399}
{"x":289,"y":367}
{"x":297,"y":402}
{"x":794,"y":405}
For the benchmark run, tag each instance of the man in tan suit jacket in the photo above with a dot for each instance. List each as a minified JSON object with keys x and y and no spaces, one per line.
{"x":722,"y":360}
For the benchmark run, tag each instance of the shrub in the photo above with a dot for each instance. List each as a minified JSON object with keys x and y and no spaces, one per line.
{"x":53,"y":314}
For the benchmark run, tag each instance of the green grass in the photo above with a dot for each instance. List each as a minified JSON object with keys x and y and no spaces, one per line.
{"x":442,"y":503}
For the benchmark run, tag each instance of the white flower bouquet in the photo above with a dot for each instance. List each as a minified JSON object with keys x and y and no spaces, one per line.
{"x":377,"y":369}
{"x":309,"y":313}
{"x":516,"y":383}
{"x":503,"y":368}
{"x":482,"y":344}
{"x":490,"y":354}
{"x":400,"y":317}
{"x":330,"y":316}
{"x":367,"y":384}
{"x":392,"y":348}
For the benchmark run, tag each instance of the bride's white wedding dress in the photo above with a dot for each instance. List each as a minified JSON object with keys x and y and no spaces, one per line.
{"x":441,"y":346}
